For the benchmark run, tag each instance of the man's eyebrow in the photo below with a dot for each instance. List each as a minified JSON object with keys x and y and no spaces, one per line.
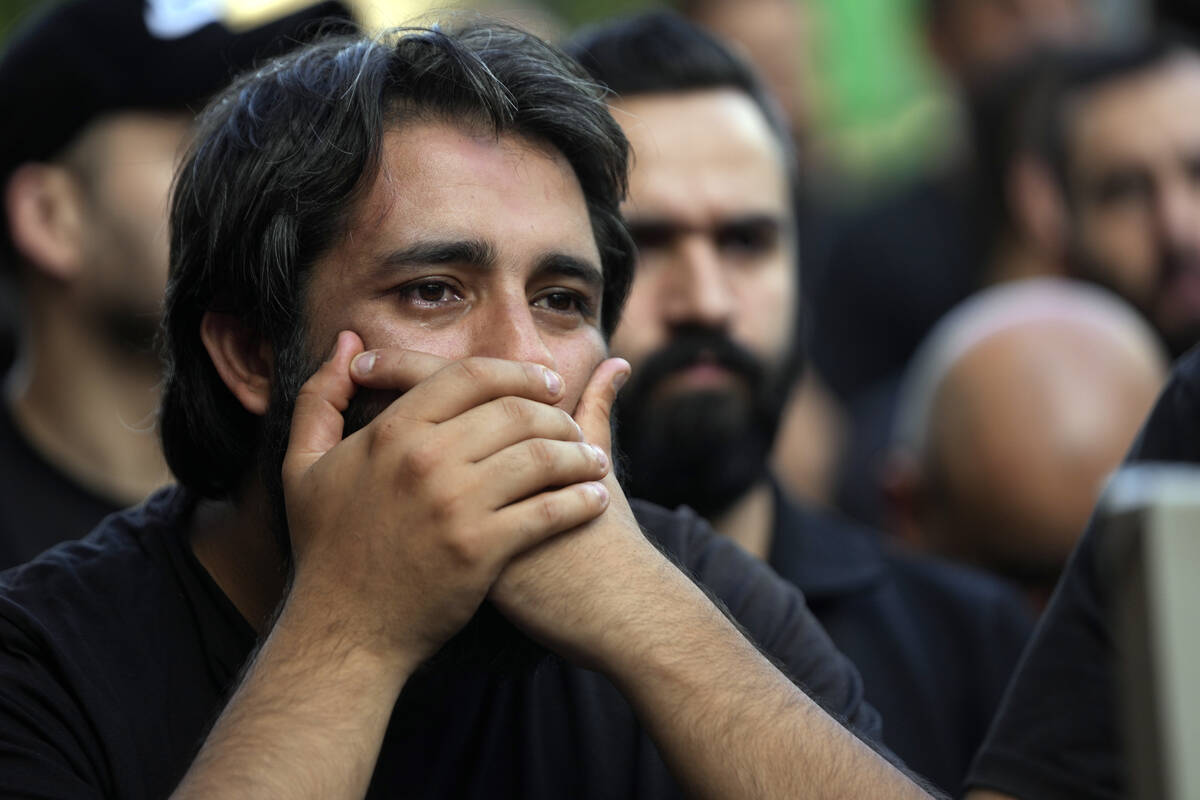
{"x":467,"y":252}
{"x":569,"y":266}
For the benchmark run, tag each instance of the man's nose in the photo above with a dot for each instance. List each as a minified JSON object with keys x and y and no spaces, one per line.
{"x":508,"y":330}
{"x":697,"y":290}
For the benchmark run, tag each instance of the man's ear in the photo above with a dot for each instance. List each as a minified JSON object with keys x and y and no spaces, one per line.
{"x":45,"y":216}
{"x":243,"y":359}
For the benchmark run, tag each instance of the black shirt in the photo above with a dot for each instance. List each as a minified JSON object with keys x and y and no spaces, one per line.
{"x":935,"y":643}
{"x":1056,"y":733}
{"x":39,"y":505}
{"x":117,"y":651}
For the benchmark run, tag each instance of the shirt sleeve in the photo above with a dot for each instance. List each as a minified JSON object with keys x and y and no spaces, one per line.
{"x":45,"y":748}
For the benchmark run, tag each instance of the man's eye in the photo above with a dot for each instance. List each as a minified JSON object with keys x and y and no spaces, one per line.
{"x":430,"y":293}
{"x":564,"y":302}
{"x":750,"y":239}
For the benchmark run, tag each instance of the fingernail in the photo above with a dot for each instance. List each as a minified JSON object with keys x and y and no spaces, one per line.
{"x":553,"y":381}
{"x":619,"y":380}
{"x":599,"y":491}
{"x":601,"y":456}
{"x":363,"y":363}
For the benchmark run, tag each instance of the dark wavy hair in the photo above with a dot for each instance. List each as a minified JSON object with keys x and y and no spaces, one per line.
{"x":280,"y":158}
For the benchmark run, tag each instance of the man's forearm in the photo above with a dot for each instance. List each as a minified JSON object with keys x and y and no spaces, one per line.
{"x":727,"y":722}
{"x":306,"y":721}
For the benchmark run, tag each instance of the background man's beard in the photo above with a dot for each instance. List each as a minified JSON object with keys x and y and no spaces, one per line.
{"x":703,"y":448}
{"x":488,"y":641}
{"x":1178,"y":338}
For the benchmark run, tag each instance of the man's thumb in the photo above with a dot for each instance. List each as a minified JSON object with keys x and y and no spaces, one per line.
{"x":594,"y":412}
{"x":317,"y":419}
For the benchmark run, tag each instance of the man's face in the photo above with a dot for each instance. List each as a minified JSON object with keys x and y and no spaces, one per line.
{"x":1133,"y":171}
{"x":124,"y":164}
{"x":709,"y":320}
{"x":467,"y":245}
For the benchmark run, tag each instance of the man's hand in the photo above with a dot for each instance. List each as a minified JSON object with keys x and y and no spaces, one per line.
{"x":399,"y":531}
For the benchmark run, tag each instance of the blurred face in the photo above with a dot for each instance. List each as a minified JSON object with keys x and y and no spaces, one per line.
{"x":124,"y":164}
{"x":1134,"y":183}
{"x":709,"y":320}
{"x":975,"y":37}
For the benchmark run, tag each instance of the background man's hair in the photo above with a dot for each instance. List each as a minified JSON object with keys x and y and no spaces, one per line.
{"x":661,"y":52}
{"x":278,"y":162}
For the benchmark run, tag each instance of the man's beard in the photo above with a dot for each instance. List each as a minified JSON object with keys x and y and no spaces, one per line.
{"x":488,"y":641}
{"x":1178,"y":336}
{"x":702,"y":448}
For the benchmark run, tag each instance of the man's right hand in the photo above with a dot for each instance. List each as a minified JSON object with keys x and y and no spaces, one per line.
{"x":399,"y":531}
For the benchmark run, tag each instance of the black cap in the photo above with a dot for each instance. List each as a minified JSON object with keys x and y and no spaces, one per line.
{"x":82,"y":58}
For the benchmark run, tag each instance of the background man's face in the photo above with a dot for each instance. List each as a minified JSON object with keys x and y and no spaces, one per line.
{"x":124,"y":164}
{"x":708,"y":325}
{"x":1133,"y":170}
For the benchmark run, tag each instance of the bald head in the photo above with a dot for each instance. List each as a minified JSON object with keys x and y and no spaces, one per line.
{"x":1016,"y":410}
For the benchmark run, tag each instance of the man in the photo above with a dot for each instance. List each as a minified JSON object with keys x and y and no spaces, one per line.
{"x":1057,"y":733}
{"x":1125,"y":150}
{"x":1012,"y":416}
{"x":95,"y":98}
{"x":434,"y":218}
{"x":709,"y":332}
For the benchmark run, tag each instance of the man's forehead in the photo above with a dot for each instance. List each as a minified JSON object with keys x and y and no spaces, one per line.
{"x":433,"y":174}
{"x":1150,"y":108}
{"x":705,"y":149}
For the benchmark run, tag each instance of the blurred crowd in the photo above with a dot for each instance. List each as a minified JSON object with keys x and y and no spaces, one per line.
{"x":906,"y":397}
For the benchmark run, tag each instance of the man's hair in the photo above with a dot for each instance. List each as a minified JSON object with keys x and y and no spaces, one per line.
{"x":283,"y":154}
{"x":661,"y":52}
{"x":1086,"y":69}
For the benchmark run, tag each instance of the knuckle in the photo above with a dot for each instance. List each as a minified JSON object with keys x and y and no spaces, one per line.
{"x":422,"y":460}
{"x":540,"y":454}
{"x":474,"y":369}
{"x":466,"y":547}
{"x":516,"y":410}
{"x":550,"y":512}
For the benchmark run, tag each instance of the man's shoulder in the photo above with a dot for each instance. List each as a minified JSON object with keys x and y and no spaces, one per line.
{"x":115,"y":570}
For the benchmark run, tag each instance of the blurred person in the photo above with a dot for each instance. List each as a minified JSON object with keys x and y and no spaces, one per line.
{"x":972,"y":39}
{"x":1012,"y":415}
{"x":1123,"y":145}
{"x":1057,"y":732}
{"x":395,"y":266}
{"x":897,"y":265}
{"x":775,"y":36}
{"x":97,"y":98}
{"x":709,"y":331}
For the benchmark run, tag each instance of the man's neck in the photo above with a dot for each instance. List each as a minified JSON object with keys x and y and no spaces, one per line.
{"x":232,"y":540}
{"x":87,"y":409}
{"x":751,"y":520}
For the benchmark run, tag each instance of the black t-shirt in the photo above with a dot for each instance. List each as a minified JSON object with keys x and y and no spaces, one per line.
{"x":1056,"y":733}
{"x":934,"y":642}
{"x":39,"y":505}
{"x":117,"y":651}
